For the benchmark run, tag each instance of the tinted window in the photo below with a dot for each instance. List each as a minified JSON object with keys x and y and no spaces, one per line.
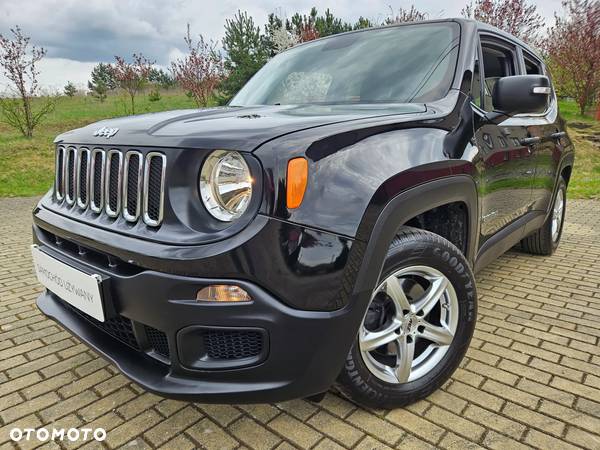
{"x":476,"y":85}
{"x":411,"y":63}
{"x":498,"y":62}
{"x":531,"y":66}
{"x":534,"y":67}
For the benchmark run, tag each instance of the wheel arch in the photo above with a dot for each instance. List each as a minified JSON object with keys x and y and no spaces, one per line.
{"x":378,"y":234}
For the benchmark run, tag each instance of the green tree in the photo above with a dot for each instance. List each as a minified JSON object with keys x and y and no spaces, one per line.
{"x":161,"y":78}
{"x":70,"y":89}
{"x":363,"y":22}
{"x":319,"y":25}
{"x":247,"y":50}
{"x":102,"y":81}
{"x":99,"y":90}
{"x":273,"y":28}
{"x":329,"y":24}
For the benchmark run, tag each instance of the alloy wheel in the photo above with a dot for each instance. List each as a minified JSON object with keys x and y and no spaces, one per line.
{"x":557,"y":214}
{"x":409,"y":325}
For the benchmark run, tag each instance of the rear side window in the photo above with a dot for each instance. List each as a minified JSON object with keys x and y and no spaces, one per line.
{"x":532,"y":67}
{"x":498,"y":62}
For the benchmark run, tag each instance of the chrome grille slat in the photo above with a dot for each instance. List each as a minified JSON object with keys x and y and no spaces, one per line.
{"x":83,"y":178}
{"x":132,"y":185}
{"x":70,"y":175}
{"x":154,"y":188}
{"x":59,"y":174}
{"x":112,"y":181}
{"x":97,"y":180}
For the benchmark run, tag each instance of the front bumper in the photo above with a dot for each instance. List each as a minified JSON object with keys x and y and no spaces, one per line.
{"x":300,"y":354}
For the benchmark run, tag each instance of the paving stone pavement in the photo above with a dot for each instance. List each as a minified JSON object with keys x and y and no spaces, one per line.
{"x":530,"y":379}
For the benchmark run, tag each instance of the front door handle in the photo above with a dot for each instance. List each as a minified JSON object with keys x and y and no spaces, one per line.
{"x":530,"y":140}
{"x":558,"y":135}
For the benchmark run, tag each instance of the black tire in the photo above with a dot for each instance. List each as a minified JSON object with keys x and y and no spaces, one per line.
{"x":541,"y":242}
{"x":414,"y":247}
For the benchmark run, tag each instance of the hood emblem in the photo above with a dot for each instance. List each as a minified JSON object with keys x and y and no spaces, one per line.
{"x":106,"y":132}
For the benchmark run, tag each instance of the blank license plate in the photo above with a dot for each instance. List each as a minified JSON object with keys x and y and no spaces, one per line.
{"x":73,"y":286}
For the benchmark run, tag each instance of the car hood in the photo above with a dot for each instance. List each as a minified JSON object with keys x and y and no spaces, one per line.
{"x":233,"y":128}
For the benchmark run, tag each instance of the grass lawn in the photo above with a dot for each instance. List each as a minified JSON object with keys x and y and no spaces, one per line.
{"x":585,"y":179}
{"x":27,"y":165}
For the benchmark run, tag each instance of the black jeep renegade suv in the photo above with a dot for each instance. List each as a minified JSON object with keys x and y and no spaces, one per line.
{"x":322,"y":228}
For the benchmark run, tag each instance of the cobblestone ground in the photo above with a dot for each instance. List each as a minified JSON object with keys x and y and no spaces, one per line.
{"x":531,"y":376}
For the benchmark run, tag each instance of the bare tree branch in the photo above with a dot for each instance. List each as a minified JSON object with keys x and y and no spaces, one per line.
{"x":19,"y":65}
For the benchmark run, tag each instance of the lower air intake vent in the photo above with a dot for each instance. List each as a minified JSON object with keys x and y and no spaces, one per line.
{"x":118,"y":327}
{"x":229,"y":344}
{"x":158,"y":341}
{"x":201,"y":347}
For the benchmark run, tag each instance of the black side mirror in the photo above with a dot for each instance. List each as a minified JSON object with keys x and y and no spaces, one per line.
{"x":521,"y":94}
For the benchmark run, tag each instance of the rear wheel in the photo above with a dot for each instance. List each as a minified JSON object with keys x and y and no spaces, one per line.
{"x":418,"y":324}
{"x":545,"y":240}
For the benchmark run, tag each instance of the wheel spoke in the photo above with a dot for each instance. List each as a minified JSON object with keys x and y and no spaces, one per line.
{"x":432,"y":295}
{"x":439,"y":335}
{"x":370,"y":340}
{"x":393,"y":288}
{"x":405,"y":359}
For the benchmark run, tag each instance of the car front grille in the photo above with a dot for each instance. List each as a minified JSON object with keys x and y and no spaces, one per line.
{"x":112,"y":182}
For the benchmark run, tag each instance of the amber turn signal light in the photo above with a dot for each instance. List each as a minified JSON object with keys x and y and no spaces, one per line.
{"x":222,"y":293}
{"x":297,"y":177}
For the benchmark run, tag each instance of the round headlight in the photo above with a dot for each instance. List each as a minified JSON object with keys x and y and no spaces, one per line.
{"x":225,"y":185}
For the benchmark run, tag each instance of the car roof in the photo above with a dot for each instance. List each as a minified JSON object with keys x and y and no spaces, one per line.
{"x":481,"y":26}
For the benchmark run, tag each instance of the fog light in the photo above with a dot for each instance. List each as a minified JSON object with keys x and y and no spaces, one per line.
{"x":223,"y":293}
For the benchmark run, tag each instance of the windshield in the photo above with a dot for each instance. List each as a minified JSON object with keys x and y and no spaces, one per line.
{"x":410,"y":63}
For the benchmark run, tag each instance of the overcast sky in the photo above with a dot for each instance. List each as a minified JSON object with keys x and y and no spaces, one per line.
{"x":80,"y":33}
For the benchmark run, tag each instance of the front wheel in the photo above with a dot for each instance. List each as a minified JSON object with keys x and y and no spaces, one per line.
{"x":417,"y":327}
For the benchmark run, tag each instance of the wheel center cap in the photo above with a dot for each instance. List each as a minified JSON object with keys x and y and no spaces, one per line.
{"x":410,"y":324}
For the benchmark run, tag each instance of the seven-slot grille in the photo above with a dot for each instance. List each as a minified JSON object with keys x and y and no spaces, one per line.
{"x":112,"y":181}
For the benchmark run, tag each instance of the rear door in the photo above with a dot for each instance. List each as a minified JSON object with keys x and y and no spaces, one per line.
{"x":506,"y":149}
{"x":546,"y":125}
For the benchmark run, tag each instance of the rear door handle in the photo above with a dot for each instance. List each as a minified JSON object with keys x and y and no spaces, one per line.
{"x":558,"y":135}
{"x":530,"y":140}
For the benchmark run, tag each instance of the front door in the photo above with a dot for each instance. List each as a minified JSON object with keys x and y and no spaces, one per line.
{"x":507,"y":165}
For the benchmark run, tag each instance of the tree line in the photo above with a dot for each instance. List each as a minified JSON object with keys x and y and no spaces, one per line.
{"x":209,"y":72}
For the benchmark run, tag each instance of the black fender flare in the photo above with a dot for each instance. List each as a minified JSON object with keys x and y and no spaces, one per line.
{"x":396,"y":212}
{"x":567,"y":160}
{"x":403,"y":207}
